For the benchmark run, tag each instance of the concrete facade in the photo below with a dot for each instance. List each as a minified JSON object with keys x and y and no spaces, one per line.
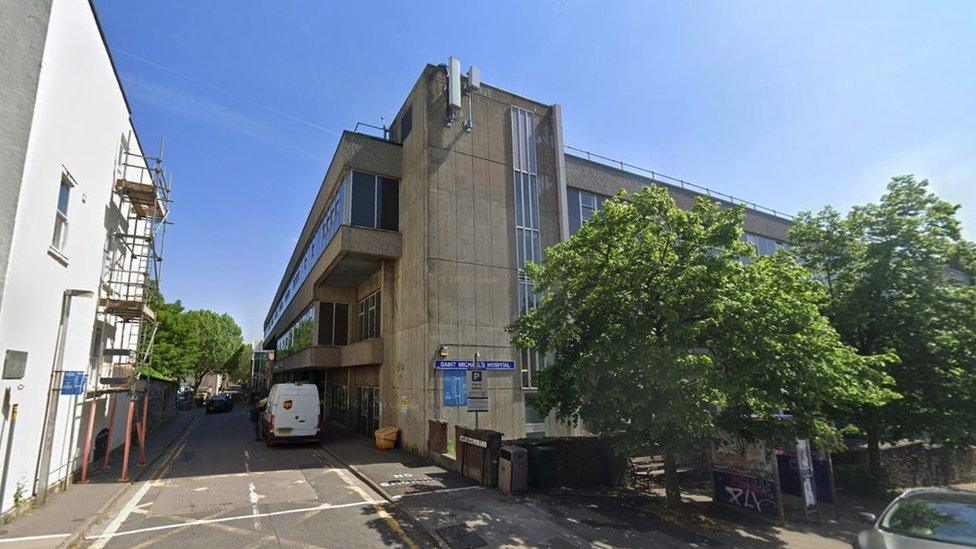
{"x":70,"y":129}
{"x":451,"y":280}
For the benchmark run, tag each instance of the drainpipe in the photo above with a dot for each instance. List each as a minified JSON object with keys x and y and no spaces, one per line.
{"x":53,"y":394}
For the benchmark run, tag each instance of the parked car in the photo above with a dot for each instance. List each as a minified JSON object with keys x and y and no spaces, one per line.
{"x":291,"y":414}
{"x":923,"y":518}
{"x":219,"y":403}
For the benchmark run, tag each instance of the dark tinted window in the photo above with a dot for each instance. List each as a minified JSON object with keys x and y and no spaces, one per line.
{"x":341,"y":323}
{"x":363,"y":199}
{"x":389,"y":204}
{"x":572,"y":205}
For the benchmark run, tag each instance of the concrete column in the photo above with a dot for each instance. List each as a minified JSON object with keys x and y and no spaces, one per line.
{"x":557,"y":128}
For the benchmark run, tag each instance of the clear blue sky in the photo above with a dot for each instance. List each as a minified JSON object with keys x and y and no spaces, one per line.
{"x":792,"y":107}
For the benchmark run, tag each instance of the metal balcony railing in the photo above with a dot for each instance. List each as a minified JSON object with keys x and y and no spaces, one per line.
{"x":664,"y":178}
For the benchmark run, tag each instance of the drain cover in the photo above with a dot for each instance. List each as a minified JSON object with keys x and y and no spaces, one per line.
{"x":461,"y":536}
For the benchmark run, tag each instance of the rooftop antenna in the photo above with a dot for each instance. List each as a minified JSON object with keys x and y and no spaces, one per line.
{"x":453,"y":89}
{"x":473,"y":84}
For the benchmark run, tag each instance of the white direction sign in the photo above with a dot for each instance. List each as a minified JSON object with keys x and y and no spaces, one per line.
{"x":477,"y":392}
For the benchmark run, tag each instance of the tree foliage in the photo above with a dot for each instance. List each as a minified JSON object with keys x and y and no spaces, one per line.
{"x":652,"y":323}
{"x":192,"y":344}
{"x":887,"y":270}
{"x":218,"y":343}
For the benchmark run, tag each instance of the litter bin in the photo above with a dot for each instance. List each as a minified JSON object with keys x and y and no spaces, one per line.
{"x":542,"y":466}
{"x":386,"y":437}
{"x":513,"y":469}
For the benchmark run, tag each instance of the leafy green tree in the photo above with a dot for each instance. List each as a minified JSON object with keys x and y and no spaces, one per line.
{"x":175,"y":344}
{"x":219,"y":339}
{"x":887,"y":267}
{"x":774,"y":351}
{"x":652,"y":324}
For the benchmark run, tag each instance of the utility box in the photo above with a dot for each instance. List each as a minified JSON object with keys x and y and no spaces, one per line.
{"x":513,"y":469}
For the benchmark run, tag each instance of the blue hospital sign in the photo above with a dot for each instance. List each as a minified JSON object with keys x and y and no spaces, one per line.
{"x":73,"y":383}
{"x":455,"y":388}
{"x":467,"y":364}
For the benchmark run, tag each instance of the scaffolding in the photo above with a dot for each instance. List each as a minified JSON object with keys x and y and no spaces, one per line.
{"x":130,"y":275}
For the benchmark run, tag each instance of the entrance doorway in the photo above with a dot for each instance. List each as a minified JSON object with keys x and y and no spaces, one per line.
{"x":369,"y":410}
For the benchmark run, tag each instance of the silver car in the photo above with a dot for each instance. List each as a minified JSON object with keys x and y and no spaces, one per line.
{"x":923,"y":518}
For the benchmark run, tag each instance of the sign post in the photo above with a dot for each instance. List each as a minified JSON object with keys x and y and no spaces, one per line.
{"x":804,"y":463}
{"x":477,"y":393}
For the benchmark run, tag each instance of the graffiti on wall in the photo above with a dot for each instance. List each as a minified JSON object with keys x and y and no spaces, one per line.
{"x":744,"y":474}
{"x":736,"y":454}
{"x":750,"y":493}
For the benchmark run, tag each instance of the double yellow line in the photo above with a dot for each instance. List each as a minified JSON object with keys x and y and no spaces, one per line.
{"x":380,"y":510}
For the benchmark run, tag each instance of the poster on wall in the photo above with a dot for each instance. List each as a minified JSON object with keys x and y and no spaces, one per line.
{"x":455,"y":388}
{"x":744,"y":474}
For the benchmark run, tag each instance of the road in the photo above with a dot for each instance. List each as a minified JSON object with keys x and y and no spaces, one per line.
{"x":221,"y":488}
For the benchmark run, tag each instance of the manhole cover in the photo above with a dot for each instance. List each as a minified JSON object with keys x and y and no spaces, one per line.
{"x":461,"y":536}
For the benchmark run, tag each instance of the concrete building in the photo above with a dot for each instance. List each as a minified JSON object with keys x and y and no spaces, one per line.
{"x":414,"y":250}
{"x":78,"y":214}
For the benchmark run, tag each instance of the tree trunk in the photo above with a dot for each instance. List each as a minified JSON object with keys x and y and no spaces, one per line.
{"x":874,"y":453}
{"x":672,"y":488}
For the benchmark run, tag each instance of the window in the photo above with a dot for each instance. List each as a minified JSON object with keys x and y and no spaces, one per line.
{"x":375,"y":201}
{"x":340,"y":403}
{"x":581,"y":205}
{"x":762,"y":245}
{"x":369,"y":316}
{"x":300,"y":335}
{"x":60,"y":238}
{"x":528,"y":242}
{"x":333,"y":323}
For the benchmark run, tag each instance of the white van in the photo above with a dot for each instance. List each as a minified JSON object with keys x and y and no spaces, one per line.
{"x":292,"y":413}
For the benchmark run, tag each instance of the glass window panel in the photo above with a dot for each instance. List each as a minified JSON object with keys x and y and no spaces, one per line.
{"x":573,"y":206}
{"x":341,"y":334}
{"x":519,"y":198}
{"x":389,"y":204}
{"x":63,"y":196}
{"x":363,"y":199}
{"x":327,"y":324}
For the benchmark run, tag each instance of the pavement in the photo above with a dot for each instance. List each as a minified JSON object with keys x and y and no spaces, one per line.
{"x":67,"y":512}
{"x":459,"y":513}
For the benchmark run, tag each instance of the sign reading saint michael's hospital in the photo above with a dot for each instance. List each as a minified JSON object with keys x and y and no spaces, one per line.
{"x":469,"y":364}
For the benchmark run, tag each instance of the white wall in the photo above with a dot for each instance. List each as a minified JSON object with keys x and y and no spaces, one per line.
{"x":79,"y":119}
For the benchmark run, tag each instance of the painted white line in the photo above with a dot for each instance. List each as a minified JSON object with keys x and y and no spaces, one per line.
{"x":324,"y":507}
{"x":113,"y":526}
{"x":442,"y":491}
{"x":247,"y":455}
{"x":253,"y":494}
{"x":33,"y":538}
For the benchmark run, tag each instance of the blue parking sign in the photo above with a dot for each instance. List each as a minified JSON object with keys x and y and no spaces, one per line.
{"x":73,"y":383}
{"x":455,"y":388}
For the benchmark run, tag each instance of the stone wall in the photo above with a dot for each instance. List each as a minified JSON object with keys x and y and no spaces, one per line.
{"x":912,"y":464}
{"x":162,"y":403}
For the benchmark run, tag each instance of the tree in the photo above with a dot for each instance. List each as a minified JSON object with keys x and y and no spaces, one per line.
{"x":642,"y":313}
{"x":175,"y":346}
{"x":887,"y":267}
{"x":218,"y":337}
{"x":773,"y":350}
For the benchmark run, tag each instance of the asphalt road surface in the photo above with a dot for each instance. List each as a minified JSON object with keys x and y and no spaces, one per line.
{"x":221,"y":488}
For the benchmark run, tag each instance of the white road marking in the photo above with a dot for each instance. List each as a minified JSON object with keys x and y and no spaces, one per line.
{"x":33,"y":538}
{"x":113,"y":526}
{"x":253,"y":494}
{"x":325,"y":506}
{"x":444,"y":490}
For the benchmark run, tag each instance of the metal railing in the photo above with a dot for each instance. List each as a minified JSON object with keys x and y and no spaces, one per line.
{"x":664,"y":178}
